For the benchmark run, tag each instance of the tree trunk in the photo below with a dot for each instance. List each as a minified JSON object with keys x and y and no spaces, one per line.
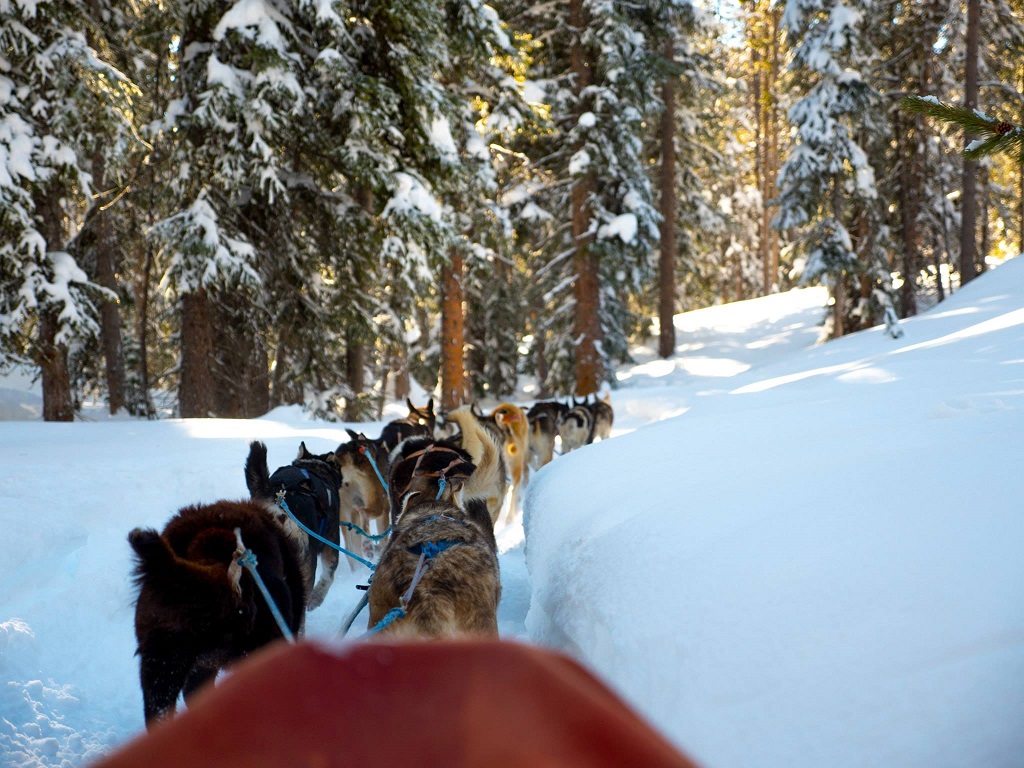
{"x":453,"y":375}
{"x":772,"y":150}
{"x":983,"y":204}
{"x":195,"y":385}
{"x":760,"y":169}
{"x":909,"y":184}
{"x":355,"y":374}
{"x":542,"y":364}
{"x":586,"y":288}
{"x":53,"y":360}
{"x":143,"y":326}
{"x":51,"y":356}
{"x":667,"y":264}
{"x":968,"y":239}
{"x":110,"y":316}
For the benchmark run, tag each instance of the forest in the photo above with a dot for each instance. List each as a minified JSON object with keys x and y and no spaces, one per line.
{"x":215,"y":208}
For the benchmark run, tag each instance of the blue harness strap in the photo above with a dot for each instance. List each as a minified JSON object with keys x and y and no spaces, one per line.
{"x":248,"y":561}
{"x":389,"y":618}
{"x":284,"y":505}
{"x":427,"y":551}
{"x":364,"y":534}
{"x":369,"y":458}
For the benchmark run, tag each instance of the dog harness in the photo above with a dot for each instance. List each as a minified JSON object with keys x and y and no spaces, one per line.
{"x":440,"y":474}
{"x":310,"y":498}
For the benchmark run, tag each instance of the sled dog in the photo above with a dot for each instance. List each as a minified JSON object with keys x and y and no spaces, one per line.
{"x":310,"y":487}
{"x":544,"y":419}
{"x":487,"y":453}
{"x":513,"y":423}
{"x":604,"y":417}
{"x":438,"y":527}
{"x":576,"y":429}
{"x":363,"y":498}
{"x":197,"y":609}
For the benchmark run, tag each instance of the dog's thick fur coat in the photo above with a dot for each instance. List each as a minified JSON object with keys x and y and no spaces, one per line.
{"x":489,"y":481}
{"x":363,"y":497}
{"x":197,"y":610}
{"x":461,"y":587}
{"x":513,"y":422}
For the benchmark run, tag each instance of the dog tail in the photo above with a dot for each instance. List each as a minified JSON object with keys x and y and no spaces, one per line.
{"x":485,"y":452}
{"x":157,"y":562}
{"x":257,"y":473}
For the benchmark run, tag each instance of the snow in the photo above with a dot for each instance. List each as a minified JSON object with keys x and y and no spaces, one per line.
{"x":412,"y":196}
{"x":623,"y":226}
{"x":789,"y":568}
{"x":440,"y":137}
{"x":818,"y":561}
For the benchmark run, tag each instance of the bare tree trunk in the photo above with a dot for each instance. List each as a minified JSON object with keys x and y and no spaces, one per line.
{"x":772,"y":155}
{"x":760,"y":170}
{"x":51,"y":356}
{"x":909,"y":184}
{"x":453,"y":373}
{"x":542,"y":364}
{"x":587,"y":320}
{"x":401,"y":373}
{"x":983,"y":216}
{"x":195,"y":385}
{"x":667,"y":264}
{"x":110,"y":316}
{"x":355,"y":374}
{"x":143,"y":323}
{"x":968,"y":239}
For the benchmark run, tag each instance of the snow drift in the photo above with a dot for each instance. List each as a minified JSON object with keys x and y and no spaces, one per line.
{"x":819,"y":564}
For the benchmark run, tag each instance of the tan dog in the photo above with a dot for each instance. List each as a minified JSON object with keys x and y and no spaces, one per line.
{"x":362,"y":496}
{"x":513,"y":422}
{"x":489,"y":481}
{"x":441,"y":562}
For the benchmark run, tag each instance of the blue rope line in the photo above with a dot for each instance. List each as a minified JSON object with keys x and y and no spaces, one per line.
{"x":284,"y":505}
{"x":361,"y":532}
{"x":389,"y":618}
{"x":369,"y":458}
{"x":441,"y":485}
{"x":248,"y":561}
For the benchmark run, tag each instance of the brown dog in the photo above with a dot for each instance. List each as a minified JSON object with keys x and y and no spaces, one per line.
{"x":196,"y":610}
{"x":362,"y":496}
{"x":513,"y":422}
{"x":489,"y":481}
{"x":441,"y":563}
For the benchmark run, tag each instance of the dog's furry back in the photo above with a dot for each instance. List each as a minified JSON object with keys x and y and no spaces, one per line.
{"x":196,"y":611}
{"x":460,"y":591}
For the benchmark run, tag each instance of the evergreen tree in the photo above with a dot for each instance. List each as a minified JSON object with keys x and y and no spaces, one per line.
{"x":827,"y":186}
{"x":62,"y":106}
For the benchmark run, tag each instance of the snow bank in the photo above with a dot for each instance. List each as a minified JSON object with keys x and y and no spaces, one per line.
{"x":819,"y":564}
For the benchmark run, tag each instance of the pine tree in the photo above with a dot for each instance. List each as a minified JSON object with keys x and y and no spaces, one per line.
{"x":598,"y":63}
{"x":827,"y":185}
{"x":62,"y":105}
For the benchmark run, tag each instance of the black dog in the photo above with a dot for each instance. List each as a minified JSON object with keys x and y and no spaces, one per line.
{"x":310,"y":485}
{"x":196,"y":610}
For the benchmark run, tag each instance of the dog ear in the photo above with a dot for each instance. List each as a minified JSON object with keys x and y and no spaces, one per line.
{"x":303,"y":453}
{"x":430,"y":406}
{"x":352,"y":433}
{"x":408,"y":402}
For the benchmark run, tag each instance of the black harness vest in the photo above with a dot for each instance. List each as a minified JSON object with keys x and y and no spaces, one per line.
{"x":310,"y":499}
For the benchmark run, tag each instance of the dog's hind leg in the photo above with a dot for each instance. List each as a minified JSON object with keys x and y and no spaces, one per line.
{"x":199,"y":676}
{"x":162,"y":675}
{"x":328,"y":565}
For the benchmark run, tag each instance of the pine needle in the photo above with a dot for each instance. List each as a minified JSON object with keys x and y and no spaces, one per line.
{"x":994,"y":135}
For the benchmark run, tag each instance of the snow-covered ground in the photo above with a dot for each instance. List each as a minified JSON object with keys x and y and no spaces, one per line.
{"x":819,"y":563}
{"x":816,"y":563}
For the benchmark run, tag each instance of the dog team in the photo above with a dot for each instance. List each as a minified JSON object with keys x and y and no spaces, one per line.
{"x":435,"y":484}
